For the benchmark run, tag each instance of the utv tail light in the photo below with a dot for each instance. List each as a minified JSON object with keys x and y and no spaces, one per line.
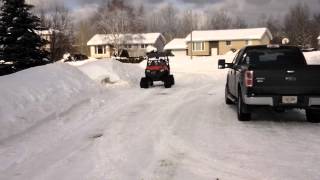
{"x":248,"y":78}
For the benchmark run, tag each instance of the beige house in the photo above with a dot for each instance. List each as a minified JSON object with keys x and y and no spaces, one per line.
{"x":219,"y":42}
{"x":102,"y":45}
{"x":178,"y":47}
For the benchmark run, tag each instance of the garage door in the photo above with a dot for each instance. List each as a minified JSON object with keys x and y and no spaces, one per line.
{"x":179,"y":53}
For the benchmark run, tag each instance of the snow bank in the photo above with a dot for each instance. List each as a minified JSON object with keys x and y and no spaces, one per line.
{"x":110,"y":72}
{"x":312,"y":57}
{"x":34,"y":95}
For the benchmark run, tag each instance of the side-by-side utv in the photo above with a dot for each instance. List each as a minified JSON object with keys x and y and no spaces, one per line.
{"x":158,"y":69}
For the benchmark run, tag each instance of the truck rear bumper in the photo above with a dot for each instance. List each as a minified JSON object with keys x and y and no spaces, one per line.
{"x":314,"y":101}
{"x":273,"y":101}
{"x":260,"y":101}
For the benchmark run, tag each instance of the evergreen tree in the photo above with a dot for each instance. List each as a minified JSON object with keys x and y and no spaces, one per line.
{"x":19,"y":41}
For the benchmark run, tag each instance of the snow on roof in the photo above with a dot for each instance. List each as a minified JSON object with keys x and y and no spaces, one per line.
{"x":230,"y":34}
{"x":146,"y":38}
{"x":176,"y":44}
{"x":47,"y":31}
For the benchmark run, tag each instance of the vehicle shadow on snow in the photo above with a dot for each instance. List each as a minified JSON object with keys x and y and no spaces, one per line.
{"x":263,"y":114}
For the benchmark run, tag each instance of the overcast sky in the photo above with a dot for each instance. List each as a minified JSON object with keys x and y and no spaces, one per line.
{"x":249,"y":9}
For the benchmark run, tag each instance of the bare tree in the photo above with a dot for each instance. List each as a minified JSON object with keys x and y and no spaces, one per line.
{"x":117,"y":19}
{"x":316,"y":30}
{"x":58,"y":20}
{"x":168,"y":21}
{"x":188,"y":22}
{"x":84,"y":32}
{"x":298,"y":25}
{"x":275,"y":26}
{"x":240,"y":23}
{"x":219,"y":20}
{"x":140,"y":19}
{"x":115,"y":23}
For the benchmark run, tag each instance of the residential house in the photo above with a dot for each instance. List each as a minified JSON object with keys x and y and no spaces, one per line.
{"x":219,"y":42}
{"x":48,"y":35}
{"x":103,"y":45}
{"x":178,"y":47}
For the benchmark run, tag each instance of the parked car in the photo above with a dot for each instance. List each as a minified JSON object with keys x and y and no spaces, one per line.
{"x":276,"y":76}
{"x":75,"y":57}
{"x":123,"y":56}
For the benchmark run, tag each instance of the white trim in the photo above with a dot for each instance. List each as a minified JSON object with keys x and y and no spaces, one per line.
{"x":96,"y":49}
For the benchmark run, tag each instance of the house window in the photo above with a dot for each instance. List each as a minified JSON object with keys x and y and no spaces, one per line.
{"x":100,"y":49}
{"x":198,"y":46}
{"x":127,"y":46}
{"x":228,"y":43}
{"x":143,"y":46}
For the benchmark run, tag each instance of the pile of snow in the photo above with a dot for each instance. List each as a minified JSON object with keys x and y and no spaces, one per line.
{"x":34,"y":95}
{"x":312,"y":57}
{"x":80,"y":63}
{"x":110,"y":72}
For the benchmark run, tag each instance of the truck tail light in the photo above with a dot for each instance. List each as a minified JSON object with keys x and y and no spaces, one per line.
{"x":248,"y":78}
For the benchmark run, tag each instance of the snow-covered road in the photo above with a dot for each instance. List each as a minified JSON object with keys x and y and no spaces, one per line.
{"x":184,"y":133}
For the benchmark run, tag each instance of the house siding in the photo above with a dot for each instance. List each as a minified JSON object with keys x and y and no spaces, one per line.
{"x":137,"y":47}
{"x":137,"y":51}
{"x":223,"y":48}
{"x":264,"y":41}
{"x":238,"y":44}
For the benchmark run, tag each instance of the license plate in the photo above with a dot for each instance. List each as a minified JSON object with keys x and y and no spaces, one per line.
{"x":289,"y":99}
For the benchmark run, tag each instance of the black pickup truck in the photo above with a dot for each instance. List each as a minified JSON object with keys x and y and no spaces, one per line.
{"x":274,"y":76}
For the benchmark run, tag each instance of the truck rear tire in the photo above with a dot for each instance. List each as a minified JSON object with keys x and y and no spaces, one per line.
{"x":242,"y":109}
{"x":172,"y":79}
{"x":144,"y":83}
{"x":313,"y":115}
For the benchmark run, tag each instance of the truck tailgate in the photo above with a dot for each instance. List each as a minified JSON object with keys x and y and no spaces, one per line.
{"x":289,"y":81}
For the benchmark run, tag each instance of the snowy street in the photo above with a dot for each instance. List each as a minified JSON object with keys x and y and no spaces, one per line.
{"x":121,"y":132}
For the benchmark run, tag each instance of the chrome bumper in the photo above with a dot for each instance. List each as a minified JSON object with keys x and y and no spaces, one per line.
{"x":267,"y":101}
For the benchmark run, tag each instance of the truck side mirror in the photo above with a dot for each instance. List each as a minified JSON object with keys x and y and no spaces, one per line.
{"x":221,"y":64}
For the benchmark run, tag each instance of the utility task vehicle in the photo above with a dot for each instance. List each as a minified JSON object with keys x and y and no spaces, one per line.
{"x":274,"y":76}
{"x":158,"y":69}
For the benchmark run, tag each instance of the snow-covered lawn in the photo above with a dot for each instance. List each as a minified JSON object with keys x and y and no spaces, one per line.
{"x":92,"y":121}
